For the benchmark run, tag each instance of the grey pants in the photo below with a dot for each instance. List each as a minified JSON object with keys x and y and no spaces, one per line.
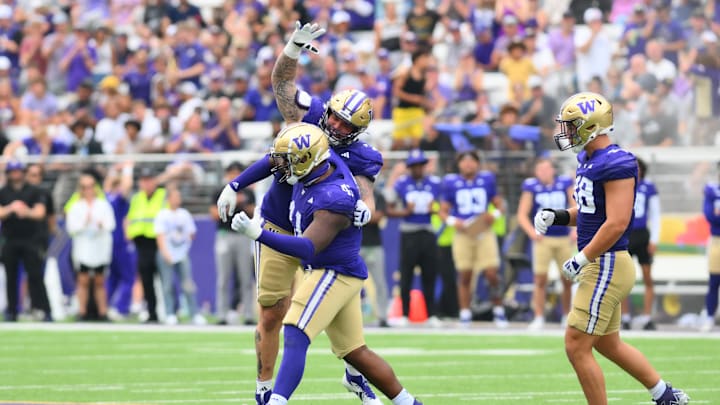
{"x":233,"y":253}
{"x":374,"y":257}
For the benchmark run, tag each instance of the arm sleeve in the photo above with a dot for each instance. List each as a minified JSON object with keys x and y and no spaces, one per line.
{"x":108,"y":216}
{"x":654,"y":219}
{"x":708,"y":208}
{"x":295,"y":246}
{"x":73,"y":223}
{"x":256,"y":172}
{"x":624,"y":166}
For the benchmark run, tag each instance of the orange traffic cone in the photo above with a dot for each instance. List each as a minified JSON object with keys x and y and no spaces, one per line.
{"x":396,"y":308}
{"x":418,"y":310}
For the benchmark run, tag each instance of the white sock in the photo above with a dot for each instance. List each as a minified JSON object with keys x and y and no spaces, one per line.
{"x":403,"y":398}
{"x":465,"y":313}
{"x":261,"y":386}
{"x":352,"y":370}
{"x":277,"y":399}
{"x":498,"y":310}
{"x":626,"y":317}
{"x":658,"y":390}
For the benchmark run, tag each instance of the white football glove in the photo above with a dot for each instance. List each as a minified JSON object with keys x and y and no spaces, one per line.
{"x":543,"y":219}
{"x":362,"y":214}
{"x":250,"y":227}
{"x":572,"y":267}
{"x":226,"y":203}
{"x":302,"y":38}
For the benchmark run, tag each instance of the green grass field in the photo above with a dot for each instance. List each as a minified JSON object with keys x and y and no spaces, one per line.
{"x":140,"y":365}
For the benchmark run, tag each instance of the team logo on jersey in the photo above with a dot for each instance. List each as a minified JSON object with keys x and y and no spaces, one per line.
{"x":587,"y":106}
{"x":346,"y":155}
{"x":302,"y":141}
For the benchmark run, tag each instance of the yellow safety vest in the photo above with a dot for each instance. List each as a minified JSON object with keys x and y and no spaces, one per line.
{"x":445,"y":238}
{"x":142,"y":213}
{"x":499,"y":226}
{"x":75,"y":197}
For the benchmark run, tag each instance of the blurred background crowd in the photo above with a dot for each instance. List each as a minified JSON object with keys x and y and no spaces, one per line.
{"x":122,"y":78}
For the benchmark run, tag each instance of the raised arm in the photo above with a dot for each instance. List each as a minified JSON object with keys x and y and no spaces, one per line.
{"x":285,"y":69}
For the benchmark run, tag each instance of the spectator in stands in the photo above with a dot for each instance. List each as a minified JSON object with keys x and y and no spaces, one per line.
{"x":517,"y":66}
{"x":155,"y":16}
{"x":508,"y":116}
{"x":350,"y":76}
{"x":561,"y":41}
{"x":411,"y":198}
{"x":39,"y":143}
{"x":233,"y":255}
{"x":9,"y":104}
{"x":101,"y":37}
{"x":259,"y":99}
{"x":30,"y":47}
{"x":409,"y":89}
{"x":144,"y":208}
{"x":538,"y":111}
{"x":22,"y":212}
{"x":668,"y":31}
{"x":388,"y":31}
{"x":38,"y":99}
{"x":53,"y":49}
{"x":468,"y":83}
{"x":79,"y":59}
{"x":540,"y":54}
{"x":175,"y":230}
{"x":457,"y":43}
{"x":84,"y":142}
{"x":118,"y":185}
{"x":661,"y":68}
{"x":109,"y":131}
{"x":656,"y":126}
{"x":132,"y":142}
{"x":189,"y":54}
{"x":185,"y":11}
{"x":509,"y":33}
{"x":90,"y":223}
{"x":222,"y":127}
{"x":484,"y":47}
{"x":83,"y":103}
{"x":695,"y":35}
{"x":192,"y":139}
{"x":384,"y":84}
{"x":371,"y":88}
{"x":593,"y":49}
{"x":139,"y":76}
{"x":421,"y":21}
{"x":636,"y":31}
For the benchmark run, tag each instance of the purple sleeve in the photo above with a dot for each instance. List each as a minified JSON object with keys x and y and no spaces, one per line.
{"x":527,"y":185}
{"x":447,"y":191}
{"x":622,"y":166}
{"x":491,"y":186}
{"x":256,"y":172}
{"x":295,"y":246}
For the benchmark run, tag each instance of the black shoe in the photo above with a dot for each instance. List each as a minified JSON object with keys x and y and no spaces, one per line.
{"x":47,"y":318}
{"x":650,"y":326}
{"x":626,"y":325}
{"x":151,"y":320}
{"x":221,"y":322}
{"x":383,"y":324}
{"x":81,"y":318}
{"x":9,"y":317}
{"x":103,"y":318}
{"x":249,"y":322}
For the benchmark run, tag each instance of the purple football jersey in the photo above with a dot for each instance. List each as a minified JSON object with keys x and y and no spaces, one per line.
{"x":421,"y":193}
{"x":552,"y":196}
{"x":468,"y":197}
{"x":611,"y":163}
{"x":645,"y":190}
{"x":338,"y":194}
{"x":711,"y":207}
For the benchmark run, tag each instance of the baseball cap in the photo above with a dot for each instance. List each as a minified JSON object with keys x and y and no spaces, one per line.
{"x":14,"y":165}
{"x":146,"y":172}
{"x":187,"y":88}
{"x":416,"y":157}
{"x":568,"y":14}
{"x":509,"y":19}
{"x":240,"y":75}
{"x":110,"y":82}
{"x":339,"y":17}
{"x":6,"y":12}
{"x":592,"y":14}
{"x":383,"y":53}
{"x":59,"y":18}
{"x":534,"y":81}
{"x":5,"y":63}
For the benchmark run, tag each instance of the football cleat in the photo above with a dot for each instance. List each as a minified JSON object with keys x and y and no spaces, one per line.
{"x":262,"y":396}
{"x":673,"y":396}
{"x":417,"y":402}
{"x":359,"y":386}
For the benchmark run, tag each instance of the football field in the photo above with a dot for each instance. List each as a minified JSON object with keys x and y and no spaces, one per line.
{"x":138,"y":364}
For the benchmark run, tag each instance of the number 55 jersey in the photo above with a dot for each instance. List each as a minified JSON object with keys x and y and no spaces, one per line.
{"x":611,"y":163}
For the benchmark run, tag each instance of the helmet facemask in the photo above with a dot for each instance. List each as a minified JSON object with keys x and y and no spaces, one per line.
{"x":281,"y":163}
{"x":336,"y":136}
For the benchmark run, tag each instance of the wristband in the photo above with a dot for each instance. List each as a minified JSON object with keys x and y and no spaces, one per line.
{"x":562,"y":217}
{"x":581,"y":259}
{"x":292,"y":50}
{"x":127,"y":171}
{"x":496,"y":214}
{"x":451,"y":221}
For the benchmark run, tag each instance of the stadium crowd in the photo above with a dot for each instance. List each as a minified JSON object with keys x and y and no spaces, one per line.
{"x":130,"y":77}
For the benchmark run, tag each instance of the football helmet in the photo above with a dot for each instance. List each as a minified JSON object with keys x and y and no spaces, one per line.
{"x":354,"y":109}
{"x":297,"y":150}
{"x":583,"y":117}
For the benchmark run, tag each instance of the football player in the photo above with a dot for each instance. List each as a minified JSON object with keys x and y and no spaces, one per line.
{"x":323,"y":202}
{"x":343,"y":119}
{"x":605,"y":186}
{"x":711,"y":209}
{"x":412,"y":198}
{"x":466,"y":197}
{"x":549,"y":191}
{"x":644,"y":237}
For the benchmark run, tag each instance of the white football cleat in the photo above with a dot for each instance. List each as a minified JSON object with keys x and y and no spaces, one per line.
{"x":359,"y":386}
{"x":538,"y":323}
